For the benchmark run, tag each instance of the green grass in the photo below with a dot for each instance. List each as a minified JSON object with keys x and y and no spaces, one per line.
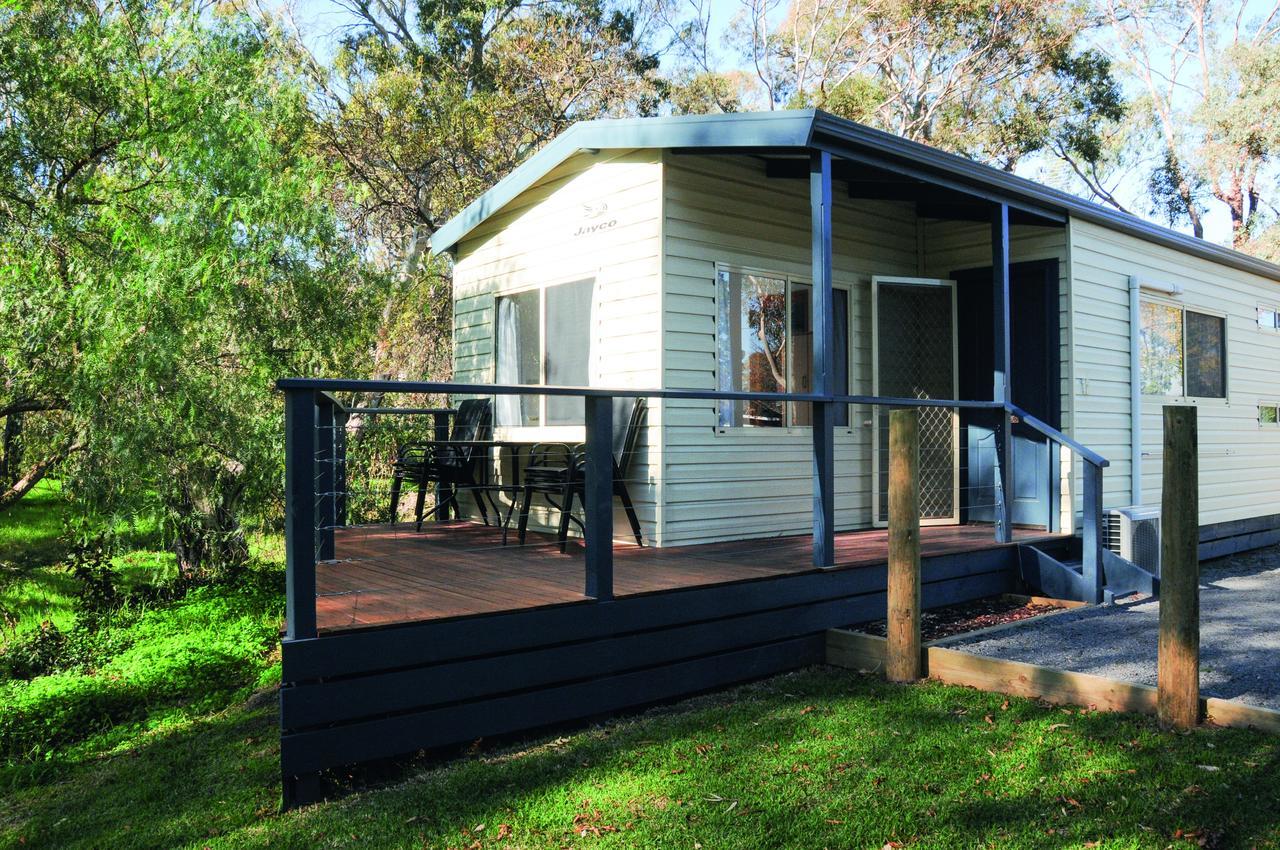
{"x":822,"y":758}
{"x":159,"y":730}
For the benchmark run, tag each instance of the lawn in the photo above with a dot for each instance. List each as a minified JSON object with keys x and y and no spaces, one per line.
{"x":168,"y":739}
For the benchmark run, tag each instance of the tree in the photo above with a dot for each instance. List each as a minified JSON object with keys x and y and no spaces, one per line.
{"x":427,"y":105}
{"x":1210,"y":77}
{"x":994,"y":81}
{"x":168,"y":248}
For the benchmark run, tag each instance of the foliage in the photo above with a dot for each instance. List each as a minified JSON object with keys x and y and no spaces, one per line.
{"x":1209,"y":76}
{"x":196,"y":652}
{"x":168,"y":247}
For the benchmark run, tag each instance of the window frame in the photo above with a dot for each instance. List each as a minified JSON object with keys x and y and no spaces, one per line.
{"x":1183,"y":309}
{"x":542,"y":430}
{"x":1275,"y":405}
{"x":1274,"y":310}
{"x":790,"y":280}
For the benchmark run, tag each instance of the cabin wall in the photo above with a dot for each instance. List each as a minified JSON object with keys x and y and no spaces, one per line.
{"x":1238,"y":456}
{"x":598,"y":216}
{"x":757,"y":482}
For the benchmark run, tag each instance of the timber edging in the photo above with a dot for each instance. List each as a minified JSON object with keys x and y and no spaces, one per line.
{"x":864,"y":652}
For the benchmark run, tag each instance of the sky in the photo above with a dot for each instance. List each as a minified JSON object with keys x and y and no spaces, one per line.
{"x":323,"y":21}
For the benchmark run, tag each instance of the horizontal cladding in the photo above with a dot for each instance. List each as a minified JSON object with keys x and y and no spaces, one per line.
{"x":766,"y":226}
{"x":1238,"y":457}
{"x":399,"y":689}
{"x":597,"y":216}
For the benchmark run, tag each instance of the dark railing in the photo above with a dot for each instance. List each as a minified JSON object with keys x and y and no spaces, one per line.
{"x":316,"y":468}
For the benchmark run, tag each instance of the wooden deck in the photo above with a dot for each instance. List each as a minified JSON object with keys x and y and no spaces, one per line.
{"x":387,"y":574}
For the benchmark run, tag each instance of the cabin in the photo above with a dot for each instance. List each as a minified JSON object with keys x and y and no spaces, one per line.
{"x":710,"y":319}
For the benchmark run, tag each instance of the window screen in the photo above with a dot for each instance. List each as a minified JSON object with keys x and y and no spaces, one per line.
{"x":519,"y":356}
{"x":1206,"y":356}
{"x":568,"y":347}
{"x":1160,"y":349}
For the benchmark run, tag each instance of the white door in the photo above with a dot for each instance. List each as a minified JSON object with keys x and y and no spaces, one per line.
{"x":913,"y":329}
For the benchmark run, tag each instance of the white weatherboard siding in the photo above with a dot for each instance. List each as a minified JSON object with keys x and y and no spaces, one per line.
{"x":757,"y":482}
{"x":597,"y":216}
{"x":1239,"y":458}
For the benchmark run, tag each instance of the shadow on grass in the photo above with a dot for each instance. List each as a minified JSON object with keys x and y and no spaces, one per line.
{"x":818,"y":758}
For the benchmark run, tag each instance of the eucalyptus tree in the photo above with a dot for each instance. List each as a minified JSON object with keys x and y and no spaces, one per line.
{"x":1208,"y":74}
{"x":995,"y":81}
{"x":169,"y":246}
{"x":427,"y":103}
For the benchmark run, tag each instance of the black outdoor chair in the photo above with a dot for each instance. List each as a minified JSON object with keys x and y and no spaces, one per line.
{"x":455,"y":464}
{"x":557,"y":472}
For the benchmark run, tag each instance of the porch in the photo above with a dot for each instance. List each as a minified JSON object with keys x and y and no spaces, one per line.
{"x":382,"y":575}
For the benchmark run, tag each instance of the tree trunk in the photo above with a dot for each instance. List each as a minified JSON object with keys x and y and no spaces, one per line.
{"x":11,"y":449}
{"x":207,"y":536}
{"x":28,"y":481}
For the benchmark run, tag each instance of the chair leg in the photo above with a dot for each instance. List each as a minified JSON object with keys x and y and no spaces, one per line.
{"x":620,"y":490}
{"x":397,"y":481}
{"x":418,"y":506}
{"x":523,"y":525}
{"x":479,"y":497}
{"x":566,"y":511}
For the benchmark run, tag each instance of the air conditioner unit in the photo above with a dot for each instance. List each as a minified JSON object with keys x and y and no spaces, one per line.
{"x":1133,"y":533}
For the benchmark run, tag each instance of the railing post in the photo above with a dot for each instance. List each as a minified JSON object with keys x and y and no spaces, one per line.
{"x":326,"y":480}
{"x":903,"y":662}
{"x":299,"y":513}
{"x":1092,"y":565}
{"x":597,"y":499}
{"x":440,"y":433}
{"x":1002,"y":386}
{"x":824,"y":359}
{"x":1178,"y":665}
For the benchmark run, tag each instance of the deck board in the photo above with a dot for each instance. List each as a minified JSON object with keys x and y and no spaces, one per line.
{"x":387,"y":574}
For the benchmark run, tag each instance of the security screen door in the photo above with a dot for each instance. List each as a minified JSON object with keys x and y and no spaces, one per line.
{"x":914,"y":356}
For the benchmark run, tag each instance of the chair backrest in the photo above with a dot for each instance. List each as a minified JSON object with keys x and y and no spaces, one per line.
{"x":473,"y":422}
{"x":628,"y":416}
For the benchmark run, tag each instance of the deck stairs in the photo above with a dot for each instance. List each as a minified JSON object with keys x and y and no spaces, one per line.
{"x":1056,"y":568}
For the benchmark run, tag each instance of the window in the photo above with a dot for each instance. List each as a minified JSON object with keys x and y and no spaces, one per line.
{"x":1269,"y":318}
{"x":764,"y":341}
{"x":544,"y":336}
{"x":1182,"y":352}
{"x":1269,"y":413}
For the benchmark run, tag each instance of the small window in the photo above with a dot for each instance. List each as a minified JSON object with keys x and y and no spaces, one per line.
{"x":1182,"y":352}
{"x":544,"y":336}
{"x":1269,"y":414}
{"x":1269,"y":318}
{"x":764,"y":343}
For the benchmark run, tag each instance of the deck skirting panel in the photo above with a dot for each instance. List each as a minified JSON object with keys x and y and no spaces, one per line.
{"x":372,"y":694}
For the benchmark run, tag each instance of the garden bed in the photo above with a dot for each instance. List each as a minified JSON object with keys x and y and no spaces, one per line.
{"x":975,"y":615}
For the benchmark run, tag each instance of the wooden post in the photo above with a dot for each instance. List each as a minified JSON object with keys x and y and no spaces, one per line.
{"x":597,"y":497}
{"x":903,"y":662}
{"x":1178,"y":676}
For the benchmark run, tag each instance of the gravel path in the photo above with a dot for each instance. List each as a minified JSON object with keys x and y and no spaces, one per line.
{"x":1239,"y":634}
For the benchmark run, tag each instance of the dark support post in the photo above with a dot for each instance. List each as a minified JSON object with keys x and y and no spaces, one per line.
{"x":903,"y":661}
{"x":440,"y":423}
{"x":1001,"y":388}
{"x":1092,"y":566}
{"x":597,"y":497}
{"x":299,"y":513}
{"x":326,"y":480}
{"x":1178,"y":668}
{"x":824,"y":354}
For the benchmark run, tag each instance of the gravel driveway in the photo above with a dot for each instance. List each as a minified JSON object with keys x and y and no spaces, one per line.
{"x":1239,"y":634}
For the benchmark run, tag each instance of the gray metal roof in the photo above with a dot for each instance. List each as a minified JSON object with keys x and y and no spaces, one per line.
{"x":802,"y":130}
